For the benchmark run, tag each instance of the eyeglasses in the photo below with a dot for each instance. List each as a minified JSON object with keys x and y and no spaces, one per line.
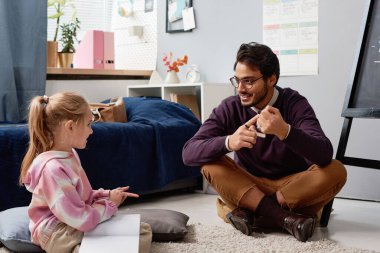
{"x":248,"y":82}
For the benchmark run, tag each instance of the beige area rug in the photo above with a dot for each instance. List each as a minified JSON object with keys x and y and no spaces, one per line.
{"x":223,"y":239}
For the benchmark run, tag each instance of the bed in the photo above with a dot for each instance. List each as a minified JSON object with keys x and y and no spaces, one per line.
{"x":144,"y":153}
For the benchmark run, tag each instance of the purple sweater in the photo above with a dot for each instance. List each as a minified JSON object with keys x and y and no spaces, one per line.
{"x":270,"y":157}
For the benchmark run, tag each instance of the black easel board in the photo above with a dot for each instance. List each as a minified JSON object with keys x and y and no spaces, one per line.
{"x":363,"y":93}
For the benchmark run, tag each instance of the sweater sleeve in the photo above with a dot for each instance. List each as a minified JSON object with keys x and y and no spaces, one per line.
{"x":100,"y":194}
{"x":208,"y":144}
{"x":67,"y":205}
{"x":306,"y":137}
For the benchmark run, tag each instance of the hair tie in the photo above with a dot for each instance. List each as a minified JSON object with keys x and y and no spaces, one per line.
{"x":46,"y":99}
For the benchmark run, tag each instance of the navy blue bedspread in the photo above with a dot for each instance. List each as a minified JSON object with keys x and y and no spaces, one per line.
{"x":144,"y":153}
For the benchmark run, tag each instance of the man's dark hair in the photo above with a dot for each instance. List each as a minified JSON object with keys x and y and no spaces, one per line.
{"x":259,"y":56}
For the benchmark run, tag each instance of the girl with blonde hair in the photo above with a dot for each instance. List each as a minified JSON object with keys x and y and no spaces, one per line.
{"x":63,"y":204}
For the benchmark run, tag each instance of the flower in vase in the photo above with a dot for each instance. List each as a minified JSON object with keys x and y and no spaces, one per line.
{"x":174,"y":65}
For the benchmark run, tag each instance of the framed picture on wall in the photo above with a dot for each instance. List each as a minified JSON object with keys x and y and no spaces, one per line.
{"x":174,"y":21}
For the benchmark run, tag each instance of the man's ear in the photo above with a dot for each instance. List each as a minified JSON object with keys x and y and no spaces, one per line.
{"x":272,"y":79}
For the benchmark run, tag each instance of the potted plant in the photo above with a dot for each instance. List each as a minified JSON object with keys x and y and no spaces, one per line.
{"x":52,"y":46}
{"x":68,"y":38}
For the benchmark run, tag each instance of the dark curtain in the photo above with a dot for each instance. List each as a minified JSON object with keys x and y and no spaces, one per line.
{"x":23,"y":28}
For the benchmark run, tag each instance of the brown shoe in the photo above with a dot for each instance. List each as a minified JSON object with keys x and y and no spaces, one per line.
{"x":242,"y":219}
{"x":315,"y":223}
{"x":300,"y":226}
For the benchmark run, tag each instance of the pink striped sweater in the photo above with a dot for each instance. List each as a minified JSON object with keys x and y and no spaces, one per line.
{"x":61,"y":192}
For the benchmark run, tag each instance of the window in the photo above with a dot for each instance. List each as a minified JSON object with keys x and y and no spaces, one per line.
{"x":132,"y":51}
{"x":93,"y":15}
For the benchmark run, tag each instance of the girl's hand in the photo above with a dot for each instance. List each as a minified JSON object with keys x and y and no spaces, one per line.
{"x":119,"y":194}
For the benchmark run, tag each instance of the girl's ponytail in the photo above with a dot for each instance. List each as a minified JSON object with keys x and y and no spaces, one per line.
{"x":39,"y":135}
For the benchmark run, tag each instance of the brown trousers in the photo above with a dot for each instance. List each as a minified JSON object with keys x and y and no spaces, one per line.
{"x":66,"y":239}
{"x":305,"y":192}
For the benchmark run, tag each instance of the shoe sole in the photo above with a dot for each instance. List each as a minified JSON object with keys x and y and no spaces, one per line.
{"x":313,"y":227}
{"x":239,"y":224}
{"x":311,"y":231}
{"x":307,"y":225}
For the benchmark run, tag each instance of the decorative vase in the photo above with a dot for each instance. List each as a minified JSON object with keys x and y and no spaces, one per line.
{"x":65,"y":60}
{"x":52,"y":54}
{"x":172,"y":77}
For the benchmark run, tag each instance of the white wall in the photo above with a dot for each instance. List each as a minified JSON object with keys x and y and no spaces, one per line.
{"x":222,"y":25}
{"x":131,"y":51}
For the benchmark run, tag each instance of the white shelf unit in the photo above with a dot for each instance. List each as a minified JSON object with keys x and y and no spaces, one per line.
{"x":209,"y":95}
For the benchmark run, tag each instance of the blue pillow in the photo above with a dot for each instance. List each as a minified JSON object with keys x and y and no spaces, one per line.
{"x":14,"y":230}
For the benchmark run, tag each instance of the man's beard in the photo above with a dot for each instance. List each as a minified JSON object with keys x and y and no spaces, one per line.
{"x":260,"y":96}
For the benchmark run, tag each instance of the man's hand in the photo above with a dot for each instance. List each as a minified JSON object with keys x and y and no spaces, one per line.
{"x":245,"y":136}
{"x":271,"y":122}
{"x":119,"y":194}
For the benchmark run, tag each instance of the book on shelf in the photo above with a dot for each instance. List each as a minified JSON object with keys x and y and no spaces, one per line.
{"x":118,"y":234}
{"x":188,"y":100}
{"x":95,"y":51}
